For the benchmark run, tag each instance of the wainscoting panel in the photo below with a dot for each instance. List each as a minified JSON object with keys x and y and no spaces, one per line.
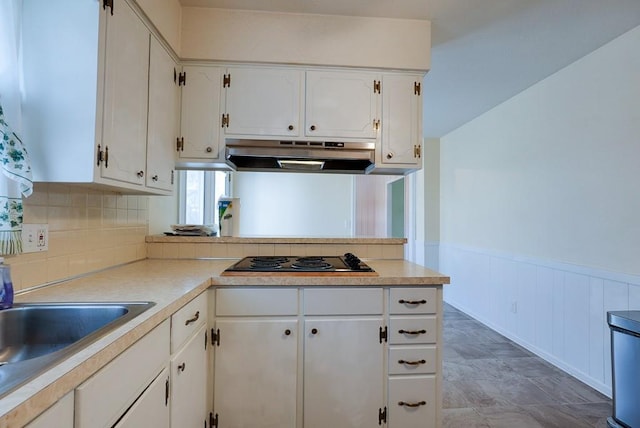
{"x":555,"y":310}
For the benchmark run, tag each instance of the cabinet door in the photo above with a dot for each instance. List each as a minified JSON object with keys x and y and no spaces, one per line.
{"x":343,"y":373}
{"x":401,"y":120}
{"x":189,"y":383}
{"x":60,"y":415}
{"x":152,"y":408}
{"x":124,"y":133}
{"x":263,"y":101}
{"x":200,"y":119}
{"x":164,"y":117}
{"x":341,"y":104}
{"x":255,"y":373}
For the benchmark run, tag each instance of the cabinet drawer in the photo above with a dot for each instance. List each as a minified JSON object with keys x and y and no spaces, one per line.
{"x":343,"y":301}
{"x":187,"y":321}
{"x":256,"y":301}
{"x":413,"y":329}
{"x":103,"y":398}
{"x":412,"y":402}
{"x":412,"y":360}
{"x":413,"y":301}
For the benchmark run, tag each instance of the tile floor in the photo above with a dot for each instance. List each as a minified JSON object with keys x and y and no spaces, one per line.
{"x":491,"y":382}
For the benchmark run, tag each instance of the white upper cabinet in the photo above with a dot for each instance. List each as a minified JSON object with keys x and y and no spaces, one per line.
{"x":342,"y":104}
{"x":200,"y":119}
{"x":263,"y":101}
{"x":86,"y":80}
{"x":164,"y":117}
{"x":124,"y":132}
{"x":268,"y":102}
{"x":401,"y":142}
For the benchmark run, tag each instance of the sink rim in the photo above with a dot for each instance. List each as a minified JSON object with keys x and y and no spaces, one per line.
{"x":15,"y":374}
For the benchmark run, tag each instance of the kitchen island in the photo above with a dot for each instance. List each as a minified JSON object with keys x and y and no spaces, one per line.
{"x":172,"y":284}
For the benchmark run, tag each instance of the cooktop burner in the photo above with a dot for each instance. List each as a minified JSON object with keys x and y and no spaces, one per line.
{"x":347,"y":264}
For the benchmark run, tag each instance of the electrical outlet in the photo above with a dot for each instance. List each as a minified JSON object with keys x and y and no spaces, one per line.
{"x":35,"y":238}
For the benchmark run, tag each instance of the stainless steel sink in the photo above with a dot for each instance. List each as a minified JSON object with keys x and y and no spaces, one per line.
{"x":36,"y":336}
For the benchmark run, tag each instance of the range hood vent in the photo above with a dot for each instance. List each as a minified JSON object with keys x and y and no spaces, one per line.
{"x":301,"y":156}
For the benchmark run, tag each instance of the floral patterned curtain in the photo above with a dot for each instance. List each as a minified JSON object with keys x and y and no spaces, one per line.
{"x":15,"y":180}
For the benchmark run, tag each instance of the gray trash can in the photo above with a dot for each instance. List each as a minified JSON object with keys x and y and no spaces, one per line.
{"x":625,"y":366}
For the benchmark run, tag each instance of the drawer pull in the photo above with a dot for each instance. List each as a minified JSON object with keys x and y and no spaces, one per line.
{"x":287,"y":332}
{"x":182,"y":366}
{"x":412,"y":302}
{"x":414,"y":332}
{"x":418,"y":404}
{"x":194,"y":319}
{"x":412,"y":363}
{"x":314,"y":331}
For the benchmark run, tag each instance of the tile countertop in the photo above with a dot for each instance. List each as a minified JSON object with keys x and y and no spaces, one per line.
{"x":170,"y":284}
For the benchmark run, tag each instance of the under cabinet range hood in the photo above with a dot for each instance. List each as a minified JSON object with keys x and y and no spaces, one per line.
{"x":300,"y":156}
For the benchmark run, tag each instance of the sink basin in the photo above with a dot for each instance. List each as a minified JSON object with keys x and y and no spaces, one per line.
{"x":36,"y":336}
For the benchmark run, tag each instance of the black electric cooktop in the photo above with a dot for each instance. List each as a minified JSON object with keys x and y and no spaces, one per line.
{"x":346,"y":264}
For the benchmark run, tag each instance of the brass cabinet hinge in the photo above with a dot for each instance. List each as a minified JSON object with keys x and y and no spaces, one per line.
{"x":376,"y":124}
{"x":226,"y":80}
{"x":225,"y":120}
{"x":109,"y":4}
{"x":180,"y":144}
{"x":377,"y":86}
{"x":172,"y":171}
{"x":215,"y":337}
{"x":182,"y":78}
{"x":382,"y":416}
{"x":166,"y":392}
{"x":383,"y":334}
{"x":103,"y":156}
{"x":417,"y":88}
{"x":213,"y":420}
{"x":206,"y":339}
{"x":417,"y":151}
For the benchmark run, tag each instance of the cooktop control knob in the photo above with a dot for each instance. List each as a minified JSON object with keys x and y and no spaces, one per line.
{"x":352,"y":261}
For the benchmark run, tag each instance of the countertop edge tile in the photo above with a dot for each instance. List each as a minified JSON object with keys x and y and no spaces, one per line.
{"x":273,"y":240}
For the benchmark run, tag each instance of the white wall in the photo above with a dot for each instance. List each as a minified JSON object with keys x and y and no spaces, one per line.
{"x":296,"y":204}
{"x":540,"y":210}
{"x":296,"y":38}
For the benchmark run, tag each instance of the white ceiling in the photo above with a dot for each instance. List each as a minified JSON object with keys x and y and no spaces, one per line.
{"x":484,"y":51}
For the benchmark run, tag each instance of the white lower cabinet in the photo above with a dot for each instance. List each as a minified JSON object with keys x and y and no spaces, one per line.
{"x":151,"y":408}
{"x":60,"y":415}
{"x":255,"y":382}
{"x":189,"y":383}
{"x":108,"y":396}
{"x":343,"y":380}
{"x":414,"y":362}
{"x":281,"y":364}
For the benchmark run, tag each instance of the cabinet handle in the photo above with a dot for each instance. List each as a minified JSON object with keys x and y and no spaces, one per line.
{"x":287,"y":332}
{"x":290,"y":127}
{"x":194,"y":319}
{"x":412,"y":302}
{"x":418,"y":404}
{"x":389,"y":155}
{"x":314,"y":331}
{"x":140,"y":174}
{"x":412,"y":331}
{"x":312,"y":127}
{"x":412,"y":363}
{"x":182,"y":366}
{"x":209,"y":149}
{"x":155,"y":178}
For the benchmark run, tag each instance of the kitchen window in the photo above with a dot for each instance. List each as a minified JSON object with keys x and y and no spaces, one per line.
{"x":198,"y":195}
